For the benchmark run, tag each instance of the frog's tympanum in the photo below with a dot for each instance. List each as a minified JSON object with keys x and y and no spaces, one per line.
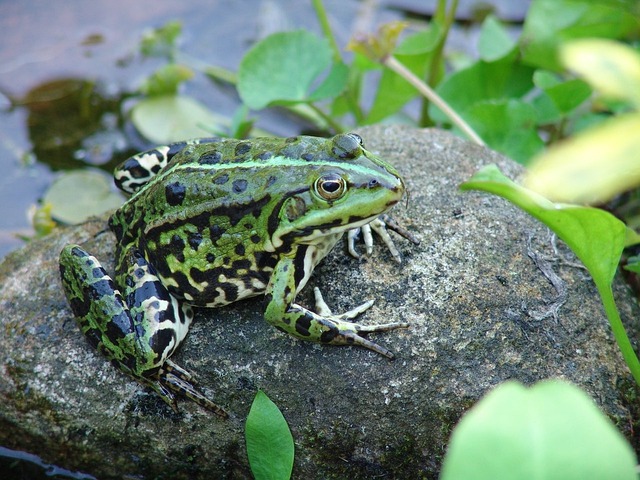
{"x":214,"y":221}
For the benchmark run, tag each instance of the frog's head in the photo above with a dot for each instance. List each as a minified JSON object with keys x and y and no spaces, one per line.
{"x":347,"y":189}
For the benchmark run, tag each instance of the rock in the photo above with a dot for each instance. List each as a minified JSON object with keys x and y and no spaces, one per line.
{"x":481,"y":312}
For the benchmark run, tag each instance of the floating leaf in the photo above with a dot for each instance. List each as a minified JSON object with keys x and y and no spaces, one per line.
{"x":269,"y":442}
{"x":550,"y":431}
{"x":79,"y":194}
{"x":172,"y":118}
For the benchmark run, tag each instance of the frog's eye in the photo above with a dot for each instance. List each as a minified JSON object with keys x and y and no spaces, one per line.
{"x":330,"y":186}
{"x":347,"y":145}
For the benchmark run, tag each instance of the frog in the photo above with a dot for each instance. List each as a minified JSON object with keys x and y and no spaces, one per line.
{"x":213,"y":221}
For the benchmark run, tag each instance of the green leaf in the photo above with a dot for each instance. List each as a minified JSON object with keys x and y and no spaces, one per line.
{"x":269,"y":442}
{"x":333,"y":85}
{"x":481,"y":82}
{"x":282,"y":69}
{"x":166,"y":80}
{"x":508,"y":126}
{"x":161,"y":41}
{"x":394,"y":91}
{"x":172,"y":118}
{"x":79,"y":194}
{"x":550,"y":431}
{"x":495,"y":42}
{"x":565,"y":95}
{"x":550,"y":23}
{"x":594,"y":235}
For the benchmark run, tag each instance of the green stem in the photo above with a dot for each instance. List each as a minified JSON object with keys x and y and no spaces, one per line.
{"x":446,"y":19}
{"x":606,"y":294}
{"x":428,"y":92}
{"x":335,"y":126}
{"x":321,"y":13}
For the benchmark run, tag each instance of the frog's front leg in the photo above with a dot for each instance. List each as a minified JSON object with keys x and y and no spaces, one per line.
{"x":324,"y":326}
{"x":137,"y":331}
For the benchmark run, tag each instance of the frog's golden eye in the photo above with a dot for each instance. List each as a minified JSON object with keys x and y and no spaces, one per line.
{"x":330,"y":186}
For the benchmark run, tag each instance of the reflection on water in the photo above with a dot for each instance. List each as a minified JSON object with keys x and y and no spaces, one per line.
{"x":15,"y":465}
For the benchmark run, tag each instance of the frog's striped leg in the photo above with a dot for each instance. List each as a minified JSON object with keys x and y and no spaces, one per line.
{"x":137,"y":332}
{"x":323,"y":327}
{"x":136,"y":171}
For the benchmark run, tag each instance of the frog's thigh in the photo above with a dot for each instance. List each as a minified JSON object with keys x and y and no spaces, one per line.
{"x":100,"y":310}
{"x":159,"y":320}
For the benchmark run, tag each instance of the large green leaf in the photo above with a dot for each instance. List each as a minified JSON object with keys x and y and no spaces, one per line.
{"x":508,"y":126}
{"x":482,"y":82}
{"x":549,"y":23}
{"x":550,"y":431}
{"x":269,"y":442}
{"x":283,"y":69}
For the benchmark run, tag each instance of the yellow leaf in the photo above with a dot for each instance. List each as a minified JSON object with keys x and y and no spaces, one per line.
{"x":591,"y":167}
{"x":610,"y":67}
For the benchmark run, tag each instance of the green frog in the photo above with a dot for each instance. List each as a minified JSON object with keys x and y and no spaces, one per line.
{"x":213,"y":221}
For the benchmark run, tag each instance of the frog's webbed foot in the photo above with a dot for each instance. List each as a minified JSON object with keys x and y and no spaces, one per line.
{"x":174,"y":379}
{"x":339,"y":331}
{"x":381,"y":226}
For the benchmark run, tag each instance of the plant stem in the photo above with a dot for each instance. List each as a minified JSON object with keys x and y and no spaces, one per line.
{"x":446,"y":20}
{"x":321,"y":13}
{"x":433,"y":97}
{"x":606,"y":294}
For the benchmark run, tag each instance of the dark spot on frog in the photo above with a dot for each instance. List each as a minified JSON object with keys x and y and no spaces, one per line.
{"x":307,"y":156}
{"x":195,"y":239}
{"x":210,"y":158}
{"x":264,"y":155}
{"x":291,"y":140}
{"x":175,"y":193}
{"x":242,"y":148}
{"x":97,"y":272}
{"x":270,"y":181}
{"x":243,"y":264}
{"x":177,"y":247}
{"x":211,"y":257}
{"x":240,"y":250}
{"x":221,"y":179}
{"x":139,"y":273}
{"x":160,"y":340}
{"x":133,"y":167}
{"x":255,"y":238}
{"x":303,"y":324}
{"x":215,"y":232}
{"x":239,"y":185}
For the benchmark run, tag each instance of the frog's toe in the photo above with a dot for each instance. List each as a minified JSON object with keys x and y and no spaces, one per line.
{"x":346,"y":333}
{"x":174,"y":379}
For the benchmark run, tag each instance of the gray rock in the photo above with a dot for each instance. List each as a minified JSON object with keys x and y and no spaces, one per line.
{"x":481,"y":312}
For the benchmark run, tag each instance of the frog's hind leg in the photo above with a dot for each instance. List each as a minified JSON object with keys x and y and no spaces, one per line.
{"x":137,"y":331}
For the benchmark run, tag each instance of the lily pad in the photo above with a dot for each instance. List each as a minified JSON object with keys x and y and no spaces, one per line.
{"x":79,"y":194}
{"x":172,"y":118}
